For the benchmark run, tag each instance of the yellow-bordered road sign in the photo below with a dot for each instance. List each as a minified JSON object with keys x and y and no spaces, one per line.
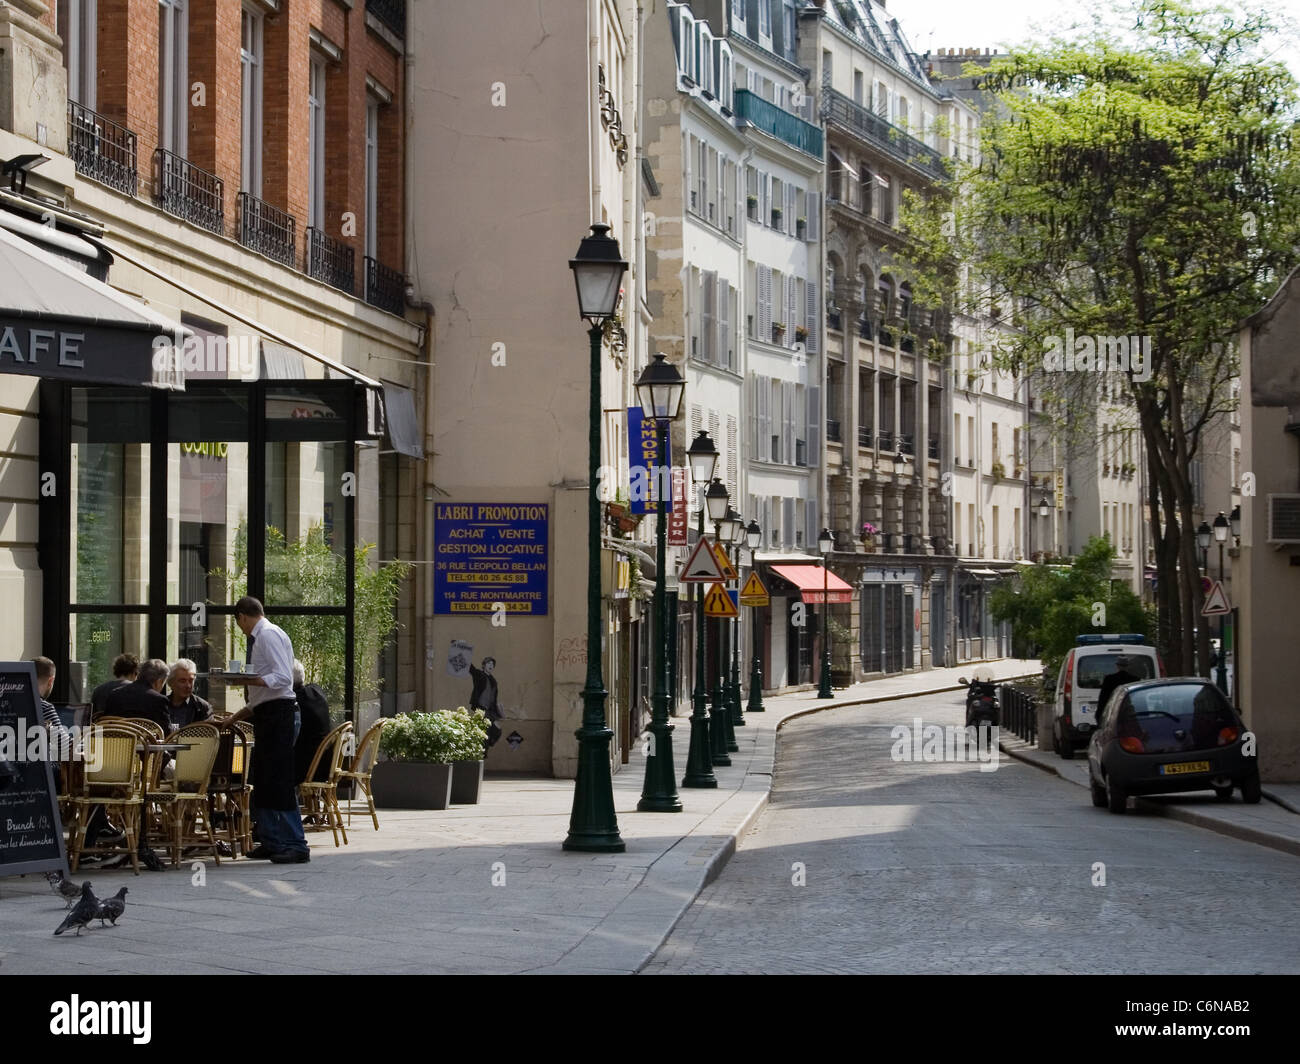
{"x":754,"y":593}
{"x":702,"y":566}
{"x":717,"y":603}
{"x":728,"y":570}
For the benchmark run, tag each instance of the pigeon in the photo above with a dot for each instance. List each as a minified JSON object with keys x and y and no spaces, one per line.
{"x":112,"y":908}
{"x":68,"y":890}
{"x":82,"y":913}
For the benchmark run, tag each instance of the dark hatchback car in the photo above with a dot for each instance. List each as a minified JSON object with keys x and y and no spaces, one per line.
{"x":1168,"y":735}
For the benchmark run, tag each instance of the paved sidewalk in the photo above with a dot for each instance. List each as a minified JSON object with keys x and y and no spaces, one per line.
{"x":483,"y":888}
{"x":1273,"y":822}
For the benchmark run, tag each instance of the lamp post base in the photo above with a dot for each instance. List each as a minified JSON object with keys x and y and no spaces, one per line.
{"x":824,"y":687}
{"x":593,"y":824}
{"x":699,"y":761}
{"x":659,"y":795}
{"x":718,"y":735}
{"x":755,"y":689}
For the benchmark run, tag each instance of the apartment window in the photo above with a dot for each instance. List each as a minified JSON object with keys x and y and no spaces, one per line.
{"x":77,"y":20}
{"x":956,"y":439}
{"x":828,"y":66}
{"x":1017,"y":526}
{"x":787,"y":26}
{"x":996,"y":454}
{"x":765,"y":18}
{"x":316,"y":144}
{"x":173,"y":68}
{"x":250,"y":64}
{"x":738,"y":10}
{"x":372,"y":177}
{"x":970,"y":529}
{"x":996,"y":553}
{"x":956,"y":529}
{"x":970,"y":439}
{"x":858,"y":87}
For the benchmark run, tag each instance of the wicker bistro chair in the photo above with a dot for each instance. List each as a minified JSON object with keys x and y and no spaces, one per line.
{"x":363,"y":764}
{"x":185,"y":797}
{"x":321,"y":800}
{"x":231,"y":786}
{"x":117,"y":784}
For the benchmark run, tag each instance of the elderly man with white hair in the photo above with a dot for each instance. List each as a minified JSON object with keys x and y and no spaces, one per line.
{"x":186,"y":706}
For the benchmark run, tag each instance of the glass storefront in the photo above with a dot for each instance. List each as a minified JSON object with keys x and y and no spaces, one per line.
{"x":156,"y":539}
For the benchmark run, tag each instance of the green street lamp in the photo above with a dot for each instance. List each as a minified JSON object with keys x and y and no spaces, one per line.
{"x":825,"y":543}
{"x":1221,"y":526}
{"x":718,"y":501}
{"x":702,"y":456}
{"x":726,"y":534}
{"x":737,"y":718}
{"x":753,"y":537}
{"x":593,"y":826}
{"x":660,"y":388}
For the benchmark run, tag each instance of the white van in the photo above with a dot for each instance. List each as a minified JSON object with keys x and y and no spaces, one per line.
{"x":1083,"y":671}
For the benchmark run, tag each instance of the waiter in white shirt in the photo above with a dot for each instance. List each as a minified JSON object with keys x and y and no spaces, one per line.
{"x":274,"y":710}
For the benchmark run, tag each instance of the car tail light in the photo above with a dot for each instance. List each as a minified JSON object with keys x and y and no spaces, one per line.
{"x":1227,"y":735}
{"x":1069,"y":686}
{"x":1160,"y":664}
{"x":1131,"y":744}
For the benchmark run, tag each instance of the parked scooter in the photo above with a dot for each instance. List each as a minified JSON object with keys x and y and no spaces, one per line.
{"x":982,"y":706}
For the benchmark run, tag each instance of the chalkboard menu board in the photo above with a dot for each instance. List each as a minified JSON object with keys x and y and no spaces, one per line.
{"x":31,"y":833}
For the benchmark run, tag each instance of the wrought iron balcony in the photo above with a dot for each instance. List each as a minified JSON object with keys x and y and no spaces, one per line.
{"x":385,"y":287}
{"x":934,"y":447}
{"x":886,"y":337}
{"x":101,"y":149}
{"x":331,"y":261}
{"x":780,"y":123}
{"x":833,"y":319}
{"x":905,"y":444}
{"x":832,"y":431}
{"x":864,"y":436}
{"x":185,"y":190}
{"x":868,"y":126}
{"x":886,"y":441}
{"x":267,"y":230}
{"x":392,"y":13}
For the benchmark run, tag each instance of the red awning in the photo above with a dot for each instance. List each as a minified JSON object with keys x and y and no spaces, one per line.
{"x":809,"y":580}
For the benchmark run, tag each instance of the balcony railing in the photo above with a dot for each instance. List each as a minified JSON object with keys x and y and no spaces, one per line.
{"x":838,"y":108}
{"x":832,"y":431}
{"x":330,"y":260}
{"x":833,"y":319}
{"x":185,"y":190}
{"x":864,"y":436}
{"x":267,"y":230}
{"x":385,"y":287}
{"x":101,"y":149}
{"x":934,"y":447}
{"x":886,"y":441}
{"x":905,"y":444}
{"x":780,"y":123}
{"x":392,"y":13}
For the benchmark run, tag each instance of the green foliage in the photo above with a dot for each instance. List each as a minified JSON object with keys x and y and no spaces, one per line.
{"x":1049,"y":605}
{"x":441,"y":737}
{"x":309,"y":572}
{"x":841,"y":639}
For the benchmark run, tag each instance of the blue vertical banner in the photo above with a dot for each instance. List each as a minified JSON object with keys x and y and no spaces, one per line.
{"x":643,"y":462}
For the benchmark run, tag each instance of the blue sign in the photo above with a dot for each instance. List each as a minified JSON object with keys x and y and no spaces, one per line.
{"x":735,"y":598}
{"x":488,"y":554}
{"x":643,"y":459}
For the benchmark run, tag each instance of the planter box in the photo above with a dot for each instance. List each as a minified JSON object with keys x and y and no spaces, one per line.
{"x":411,"y":785}
{"x":466,"y":781}
{"x":841,"y":678}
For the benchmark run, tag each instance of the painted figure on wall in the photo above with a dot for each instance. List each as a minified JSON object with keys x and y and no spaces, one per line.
{"x":484,"y":697}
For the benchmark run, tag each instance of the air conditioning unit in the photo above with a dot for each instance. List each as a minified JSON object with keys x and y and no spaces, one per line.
{"x":1283,"y":520}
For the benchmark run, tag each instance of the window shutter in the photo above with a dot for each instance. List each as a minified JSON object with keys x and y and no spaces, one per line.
{"x":811,"y":321}
{"x":791,"y":318}
{"x":787,"y":399}
{"x":689,"y":153}
{"x":733,"y":483}
{"x":724,"y":324}
{"x":814,"y":215}
{"x":769,"y":533}
{"x":787,"y":216}
{"x":764,"y":420}
{"x":762,"y":196}
{"x":753,"y":416}
{"x":708,"y":326}
{"x":787,"y":522}
{"x":765,"y":303}
{"x":811,"y":531}
{"x":713,"y":432}
{"x":813,"y":432}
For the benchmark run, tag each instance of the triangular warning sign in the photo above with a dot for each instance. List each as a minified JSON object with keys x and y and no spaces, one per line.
{"x":702,"y":566}
{"x":1216,"y":602}
{"x":717,"y":603}
{"x":724,"y":563}
{"x":753,"y":593}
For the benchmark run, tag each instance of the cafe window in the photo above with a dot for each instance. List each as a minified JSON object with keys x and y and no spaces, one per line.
{"x":156,"y":539}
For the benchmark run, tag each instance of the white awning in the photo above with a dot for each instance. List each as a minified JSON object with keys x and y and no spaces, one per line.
{"x":403,"y":425}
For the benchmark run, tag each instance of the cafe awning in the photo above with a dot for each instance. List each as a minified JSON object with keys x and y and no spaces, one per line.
{"x":57,"y":322}
{"x":812,"y":579}
{"x":399,"y":416}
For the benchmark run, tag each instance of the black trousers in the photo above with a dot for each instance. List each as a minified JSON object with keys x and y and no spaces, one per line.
{"x":273,"y":765}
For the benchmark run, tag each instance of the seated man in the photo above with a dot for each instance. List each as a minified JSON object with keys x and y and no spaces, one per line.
{"x":185,"y":707}
{"x":124,"y":671}
{"x":144,"y":697}
{"x":315,"y":726}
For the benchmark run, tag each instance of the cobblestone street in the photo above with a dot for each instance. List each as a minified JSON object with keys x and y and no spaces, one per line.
{"x":944,"y":868}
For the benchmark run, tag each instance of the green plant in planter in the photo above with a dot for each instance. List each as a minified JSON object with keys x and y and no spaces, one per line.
{"x":435,"y":738}
{"x":841,"y":637}
{"x":634,"y":588}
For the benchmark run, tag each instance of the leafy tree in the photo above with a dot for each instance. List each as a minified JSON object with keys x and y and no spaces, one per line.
{"x":1048,"y":605}
{"x":1137,"y":185}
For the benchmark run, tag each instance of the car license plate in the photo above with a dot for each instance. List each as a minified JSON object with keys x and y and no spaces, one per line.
{"x":1184,"y":766}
